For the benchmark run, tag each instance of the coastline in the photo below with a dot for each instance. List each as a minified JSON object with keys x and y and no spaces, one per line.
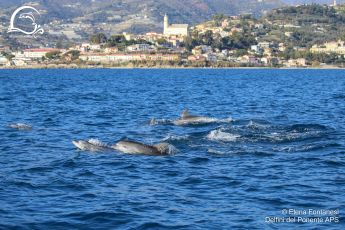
{"x":328,"y":67}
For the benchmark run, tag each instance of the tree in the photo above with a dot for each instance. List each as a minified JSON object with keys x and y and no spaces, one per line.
{"x":53,"y":55}
{"x":218,"y":17}
{"x":98,"y":38}
{"x":72,"y":55}
{"x":8,"y":56}
{"x":189,"y":43}
{"x":115,"y":40}
{"x":207,"y":38}
{"x":161,"y":41}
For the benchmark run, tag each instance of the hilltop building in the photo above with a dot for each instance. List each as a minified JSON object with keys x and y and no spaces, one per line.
{"x":337,"y":47}
{"x":174,"y":29}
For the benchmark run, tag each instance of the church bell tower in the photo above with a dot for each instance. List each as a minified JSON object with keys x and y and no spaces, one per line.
{"x":166,"y":23}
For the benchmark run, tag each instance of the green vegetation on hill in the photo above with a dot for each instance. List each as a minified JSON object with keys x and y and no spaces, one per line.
{"x":296,"y":29}
{"x":306,"y":25}
{"x":117,"y":40}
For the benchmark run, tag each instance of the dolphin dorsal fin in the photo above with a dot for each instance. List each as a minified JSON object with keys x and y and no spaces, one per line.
{"x":185,"y":113}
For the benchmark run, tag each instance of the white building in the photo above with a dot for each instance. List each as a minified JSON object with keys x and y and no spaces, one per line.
{"x":34,"y":53}
{"x":257,"y":49}
{"x":139,"y":48}
{"x":174,"y":29}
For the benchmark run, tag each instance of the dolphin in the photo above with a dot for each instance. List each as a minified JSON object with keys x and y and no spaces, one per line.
{"x":20,"y":126}
{"x":130,"y":147}
{"x":92,"y":145}
{"x":134,"y":147}
{"x":188,"y":119}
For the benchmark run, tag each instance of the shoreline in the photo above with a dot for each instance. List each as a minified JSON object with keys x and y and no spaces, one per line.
{"x":36,"y":67}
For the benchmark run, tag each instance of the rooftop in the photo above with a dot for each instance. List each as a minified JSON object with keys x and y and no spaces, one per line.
{"x":178,"y":26}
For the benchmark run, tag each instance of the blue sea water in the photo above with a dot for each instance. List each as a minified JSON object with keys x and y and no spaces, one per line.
{"x":284,"y":149}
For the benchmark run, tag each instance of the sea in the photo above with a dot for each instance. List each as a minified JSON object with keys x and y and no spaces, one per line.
{"x":275,"y":151}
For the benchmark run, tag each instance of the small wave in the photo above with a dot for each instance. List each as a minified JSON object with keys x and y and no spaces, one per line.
{"x":334,"y":163}
{"x":226,"y":120}
{"x":307,"y":127}
{"x":255,"y":125}
{"x":291,"y":136}
{"x":157,"y":225}
{"x":220,"y":135}
{"x":216,"y":152}
{"x":176,"y":138}
{"x":167,"y":148}
{"x":26,"y":184}
{"x":305,"y":148}
{"x":199,"y":160}
{"x":339,"y":96}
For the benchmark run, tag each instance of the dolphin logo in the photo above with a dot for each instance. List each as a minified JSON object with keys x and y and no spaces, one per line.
{"x":37,"y":29}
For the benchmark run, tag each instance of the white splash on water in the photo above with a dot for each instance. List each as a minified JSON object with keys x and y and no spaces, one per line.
{"x":155,"y":121}
{"x":176,"y":138}
{"x":220,"y":135}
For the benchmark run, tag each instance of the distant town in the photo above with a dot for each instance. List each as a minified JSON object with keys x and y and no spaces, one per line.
{"x":298,"y":36}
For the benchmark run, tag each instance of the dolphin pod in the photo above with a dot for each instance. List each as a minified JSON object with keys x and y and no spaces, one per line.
{"x":130,"y":147}
{"x":134,"y":147}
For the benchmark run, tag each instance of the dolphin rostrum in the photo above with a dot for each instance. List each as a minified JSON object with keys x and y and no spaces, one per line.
{"x":130,"y":147}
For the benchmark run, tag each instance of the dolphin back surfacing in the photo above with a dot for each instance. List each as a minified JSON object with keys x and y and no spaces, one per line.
{"x":130,"y":147}
{"x":187,"y":119}
{"x":91,"y":145}
{"x":133,"y":147}
{"x":20,"y":126}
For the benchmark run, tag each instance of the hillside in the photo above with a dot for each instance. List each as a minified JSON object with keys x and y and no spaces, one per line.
{"x":300,"y":2}
{"x":306,"y":25}
{"x":96,"y":11}
{"x":68,"y":21}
